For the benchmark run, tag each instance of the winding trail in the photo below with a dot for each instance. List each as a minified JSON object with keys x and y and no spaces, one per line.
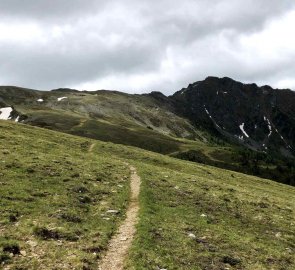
{"x":121,"y":242}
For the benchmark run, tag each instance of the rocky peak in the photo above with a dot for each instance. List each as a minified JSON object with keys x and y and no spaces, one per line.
{"x":261,"y":118}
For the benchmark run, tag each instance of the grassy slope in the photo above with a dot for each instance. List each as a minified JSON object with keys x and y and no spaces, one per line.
{"x":54,"y":198}
{"x":214,"y":152}
{"x":247,"y":222}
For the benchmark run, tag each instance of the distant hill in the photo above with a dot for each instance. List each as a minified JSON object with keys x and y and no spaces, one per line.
{"x":217,"y":121}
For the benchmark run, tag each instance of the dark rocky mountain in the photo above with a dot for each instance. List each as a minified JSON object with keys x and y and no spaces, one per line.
{"x":261,"y":118}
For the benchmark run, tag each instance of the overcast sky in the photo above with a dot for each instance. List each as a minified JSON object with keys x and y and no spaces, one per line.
{"x":143,"y":45}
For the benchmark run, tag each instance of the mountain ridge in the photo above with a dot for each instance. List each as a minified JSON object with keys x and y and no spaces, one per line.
{"x":217,"y":104}
{"x":213,"y":121}
{"x":233,"y":102}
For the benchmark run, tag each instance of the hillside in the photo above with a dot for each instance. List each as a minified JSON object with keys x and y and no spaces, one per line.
{"x":105,"y":115}
{"x":218,"y":121}
{"x":63,"y":197}
{"x":261,"y":118}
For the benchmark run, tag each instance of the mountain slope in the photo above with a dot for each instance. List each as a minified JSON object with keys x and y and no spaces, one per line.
{"x":260,"y":118}
{"x":138,"y":120}
{"x":55,"y":197}
{"x":213,"y":121}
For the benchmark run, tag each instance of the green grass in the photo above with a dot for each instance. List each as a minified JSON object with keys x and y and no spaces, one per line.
{"x":55,"y":194}
{"x":54,"y":199}
{"x":239,"y":221}
{"x":134,"y":135}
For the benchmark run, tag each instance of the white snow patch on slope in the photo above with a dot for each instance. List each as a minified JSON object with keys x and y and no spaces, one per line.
{"x":283,"y":139}
{"x":269,"y":126}
{"x":40,"y":100}
{"x":242,"y":129}
{"x":5,"y":113}
{"x":208,"y":113}
{"x":211,"y":117}
{"x":61,"y":98}
{"x":17,"y":119}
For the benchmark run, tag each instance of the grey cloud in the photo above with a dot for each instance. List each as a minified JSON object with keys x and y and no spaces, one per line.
{"x":202,"y":18}
{"x":44,"y":9}
{"x":51,"y":69}
{"x":97,"y":39}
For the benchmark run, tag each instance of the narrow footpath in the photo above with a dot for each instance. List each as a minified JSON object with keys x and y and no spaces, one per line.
{"x":122,"y":240}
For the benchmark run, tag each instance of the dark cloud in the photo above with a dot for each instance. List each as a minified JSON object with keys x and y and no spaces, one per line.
{"x":144,"y":45}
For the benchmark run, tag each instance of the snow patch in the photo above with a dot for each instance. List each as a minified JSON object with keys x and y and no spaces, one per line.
{"x":211,"y":117}
{"x":61,"y":98}
{"x":283,"y":139}
{"x":5,"y":113}
{"x":242,"y":129}
{"x":17,"y":119}
{"x":40,"y":100}
{"x":208,"y":113}
{"x":269,"y":126}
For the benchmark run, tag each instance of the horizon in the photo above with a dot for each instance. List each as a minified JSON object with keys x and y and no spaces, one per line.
{"x":146,"y":91}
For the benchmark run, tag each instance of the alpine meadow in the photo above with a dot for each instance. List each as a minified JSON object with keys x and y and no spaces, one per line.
{"x":147,"y":135}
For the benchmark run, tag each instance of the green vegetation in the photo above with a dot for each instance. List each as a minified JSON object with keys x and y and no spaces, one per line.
{"x":247,"y":161}
{"x":54,"y":199}
{"x":199,"y":217}
{"x":146,"y":121}
{"x":56,"y":195}
{"x":135,"y":136}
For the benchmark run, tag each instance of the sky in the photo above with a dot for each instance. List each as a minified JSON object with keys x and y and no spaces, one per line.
{"x":145,"y":45}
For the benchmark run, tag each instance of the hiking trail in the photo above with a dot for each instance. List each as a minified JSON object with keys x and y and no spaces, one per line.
{"x":121,"y":242}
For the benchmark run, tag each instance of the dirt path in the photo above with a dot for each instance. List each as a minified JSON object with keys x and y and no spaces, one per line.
{"x":91,"y":147}
{"x":121,"y":242}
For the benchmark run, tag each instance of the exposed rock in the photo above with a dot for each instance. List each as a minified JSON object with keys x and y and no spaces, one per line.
{"x":112,"y":211}
{"x":231,"y":260}
{"x":191,"y":235}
